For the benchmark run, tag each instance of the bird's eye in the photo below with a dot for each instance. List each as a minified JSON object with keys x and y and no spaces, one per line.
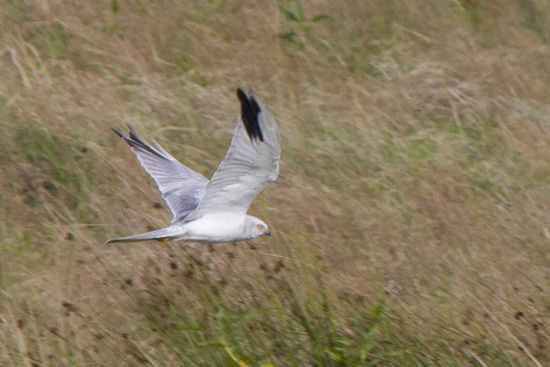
{"x":259,"y":226}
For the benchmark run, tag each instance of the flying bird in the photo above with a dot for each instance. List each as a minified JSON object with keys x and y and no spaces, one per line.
{"x":214,"y":210}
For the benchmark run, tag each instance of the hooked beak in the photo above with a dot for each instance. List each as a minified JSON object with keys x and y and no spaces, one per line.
{"x":268,"y":233}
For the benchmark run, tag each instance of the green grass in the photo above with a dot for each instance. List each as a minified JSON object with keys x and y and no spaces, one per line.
{"x":410,"y":217}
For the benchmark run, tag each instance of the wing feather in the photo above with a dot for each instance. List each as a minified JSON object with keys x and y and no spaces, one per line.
{"x":251,"y":162}
{"x":181,"y":187}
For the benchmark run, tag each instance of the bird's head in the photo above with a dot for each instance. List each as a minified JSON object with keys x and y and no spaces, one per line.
{"x":256,"y":227}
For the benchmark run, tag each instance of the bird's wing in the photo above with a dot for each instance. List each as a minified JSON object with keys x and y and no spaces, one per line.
{"x":181,"y":187}
{"x":251,"y":162}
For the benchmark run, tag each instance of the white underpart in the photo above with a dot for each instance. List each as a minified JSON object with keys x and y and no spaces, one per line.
{"x":216,"y":227}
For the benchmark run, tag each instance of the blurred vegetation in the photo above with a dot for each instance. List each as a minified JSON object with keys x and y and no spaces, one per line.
{"x":410,"y":216}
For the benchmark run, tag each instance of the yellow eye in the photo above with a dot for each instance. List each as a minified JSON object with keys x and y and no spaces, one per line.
{"x":259,"y":226}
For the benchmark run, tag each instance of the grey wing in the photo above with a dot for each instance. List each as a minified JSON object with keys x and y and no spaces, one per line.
{"x":251,"y":162}
{"x":181,"y":187}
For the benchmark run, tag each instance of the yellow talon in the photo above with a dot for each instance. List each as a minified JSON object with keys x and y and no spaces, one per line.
{"x":163,"y":239}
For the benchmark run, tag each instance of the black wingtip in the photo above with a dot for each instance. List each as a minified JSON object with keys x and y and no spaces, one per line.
{"x":135,"y":141}
{"x":250,"y":110}
{"x":118,"y":132}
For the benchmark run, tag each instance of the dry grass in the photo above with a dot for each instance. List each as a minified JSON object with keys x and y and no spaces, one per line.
{"x":411,"y":212}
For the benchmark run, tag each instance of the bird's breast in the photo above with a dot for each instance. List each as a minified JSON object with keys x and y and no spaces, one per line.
{"x":217,"y":227}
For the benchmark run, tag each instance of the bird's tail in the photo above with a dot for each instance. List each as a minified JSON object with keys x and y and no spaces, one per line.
{"x":164,"y":234}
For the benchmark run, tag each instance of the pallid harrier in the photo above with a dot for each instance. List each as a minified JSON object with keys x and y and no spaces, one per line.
{"x":215,"y":210}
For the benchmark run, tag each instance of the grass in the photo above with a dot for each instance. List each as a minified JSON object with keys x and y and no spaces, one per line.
{"x":410,"y":216}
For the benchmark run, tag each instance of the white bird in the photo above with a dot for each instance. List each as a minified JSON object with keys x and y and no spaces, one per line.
{"x":215,"y":210}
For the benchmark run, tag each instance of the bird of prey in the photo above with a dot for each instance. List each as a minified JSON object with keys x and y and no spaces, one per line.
{"x":215,"y":210}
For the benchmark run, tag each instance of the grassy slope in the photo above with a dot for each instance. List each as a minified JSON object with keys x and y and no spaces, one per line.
{"x":410,"y":216}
